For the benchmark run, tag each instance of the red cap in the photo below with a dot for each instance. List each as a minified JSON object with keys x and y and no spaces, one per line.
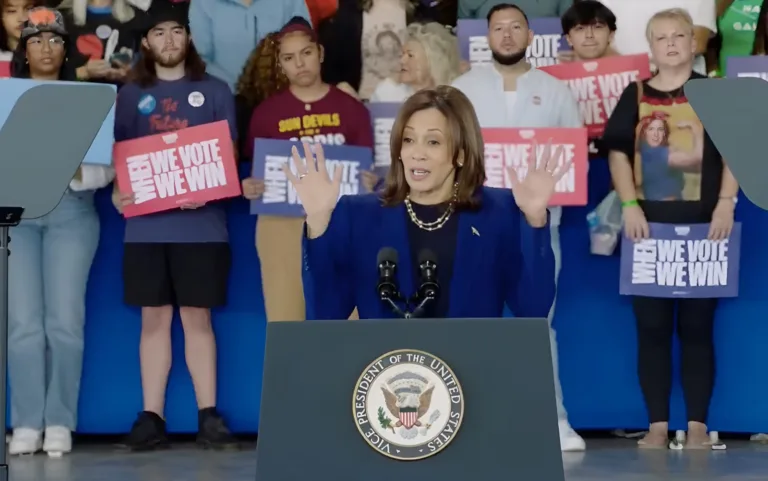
{"x":297,"y":27}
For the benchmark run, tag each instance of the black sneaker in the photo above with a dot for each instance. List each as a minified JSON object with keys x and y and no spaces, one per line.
{"x":147,"y":434}
{"x":213,"y":432}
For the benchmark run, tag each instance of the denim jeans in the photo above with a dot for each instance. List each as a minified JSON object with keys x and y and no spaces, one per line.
{"x":554,"y":231}
{"x":50,"y":262}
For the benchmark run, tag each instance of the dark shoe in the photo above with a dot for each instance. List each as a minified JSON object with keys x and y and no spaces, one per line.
{"x":147,"y":434}
{"x":213,"y":432}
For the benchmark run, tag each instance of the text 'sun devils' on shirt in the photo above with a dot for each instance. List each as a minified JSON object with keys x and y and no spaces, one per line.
{"x":166,"y":107}
{"x":676,"y":168}
{"x":335,"y":119}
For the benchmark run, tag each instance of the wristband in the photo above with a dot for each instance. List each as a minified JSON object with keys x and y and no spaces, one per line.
{"x":630,"y":203}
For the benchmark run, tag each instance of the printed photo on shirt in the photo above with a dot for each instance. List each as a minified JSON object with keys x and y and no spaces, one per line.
{"x":669,"y":150}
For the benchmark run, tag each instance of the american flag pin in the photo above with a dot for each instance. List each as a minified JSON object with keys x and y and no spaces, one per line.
{"x":475,"y":232}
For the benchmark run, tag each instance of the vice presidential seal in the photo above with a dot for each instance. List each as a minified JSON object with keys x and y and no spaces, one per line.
{"x":408,"y":405}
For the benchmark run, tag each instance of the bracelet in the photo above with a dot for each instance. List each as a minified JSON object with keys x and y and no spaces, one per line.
{"x":630,"y":203}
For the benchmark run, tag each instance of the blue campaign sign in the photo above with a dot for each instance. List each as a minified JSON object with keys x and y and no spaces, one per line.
{"x":383,"y":116}
{"x":547,"y":41}
{"x":679,"y":261}
{"x":100,"y":152}
{"x":280,"y":199}
{"x":737,"y":67}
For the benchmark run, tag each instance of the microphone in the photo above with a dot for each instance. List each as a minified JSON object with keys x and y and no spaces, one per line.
{"x":386,"y":288}
{"x":429,"y":289}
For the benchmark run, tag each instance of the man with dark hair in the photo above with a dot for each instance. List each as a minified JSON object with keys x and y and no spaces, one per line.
{"x":589,"y":27}
{"x":512,"y":93}
{"x":534,"y":8}
{"x":179,"y":257}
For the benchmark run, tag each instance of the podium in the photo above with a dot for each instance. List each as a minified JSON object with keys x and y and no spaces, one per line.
{"x":425,"y":399}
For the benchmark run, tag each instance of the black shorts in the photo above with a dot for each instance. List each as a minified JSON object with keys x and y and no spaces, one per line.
{"x":184,"y":275}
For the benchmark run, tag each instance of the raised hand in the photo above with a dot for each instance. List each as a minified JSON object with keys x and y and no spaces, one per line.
{"x":317,"y":192}
{"x":532,"y":194}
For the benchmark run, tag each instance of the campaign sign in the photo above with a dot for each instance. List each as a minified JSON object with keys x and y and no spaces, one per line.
{"x":757,"y":67}
{"x":547,"y":41}
{"x":101,"y":149}
{"x":188,"y":166}
{"x":382,"y":117}
{"x":598,"y":84}
{"x":5,"y":69}
{"x":679,"y":261}
{"x":512,"y":148}
{"x":280,"y":199}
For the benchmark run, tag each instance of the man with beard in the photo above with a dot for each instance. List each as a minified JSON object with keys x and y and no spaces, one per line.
{"x":179,"y":257}
{"x":510,"y":93}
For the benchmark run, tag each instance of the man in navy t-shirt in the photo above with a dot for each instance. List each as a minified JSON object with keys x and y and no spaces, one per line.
{"x":179,"y":257}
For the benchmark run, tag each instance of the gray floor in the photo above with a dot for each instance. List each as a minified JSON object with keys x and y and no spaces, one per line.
{"x":606,"y":460}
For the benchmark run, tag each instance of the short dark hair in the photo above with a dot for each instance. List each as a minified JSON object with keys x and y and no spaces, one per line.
{"x":505,"y":6}
{"x":587,"y":12}
{"x":20,"y":65}
{"x":145,"y":74}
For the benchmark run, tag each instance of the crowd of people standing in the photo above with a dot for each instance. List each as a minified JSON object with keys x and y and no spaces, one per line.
{"x":257,"y":62}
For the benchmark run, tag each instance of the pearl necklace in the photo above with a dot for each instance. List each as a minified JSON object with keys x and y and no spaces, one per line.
{"x":428,"y":226}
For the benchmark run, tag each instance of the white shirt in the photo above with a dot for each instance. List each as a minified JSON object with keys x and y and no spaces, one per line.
{"x":632,"y":18}
{"x":389,"y":91}
{"x":540,"y":101}
{"x":92,"y":177}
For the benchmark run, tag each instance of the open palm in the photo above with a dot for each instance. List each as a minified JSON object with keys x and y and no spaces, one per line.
{"x":317,"y":192}
{"x":532,"y":194}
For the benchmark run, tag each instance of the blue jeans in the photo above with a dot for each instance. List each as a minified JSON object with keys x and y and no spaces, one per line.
{"x":50,"y":261}
{"x":554,"y":232}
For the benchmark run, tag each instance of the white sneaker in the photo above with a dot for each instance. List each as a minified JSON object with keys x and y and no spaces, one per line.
{"x":570,"y":439}
{"x":58,"y":440}
{"x":25,"y":441}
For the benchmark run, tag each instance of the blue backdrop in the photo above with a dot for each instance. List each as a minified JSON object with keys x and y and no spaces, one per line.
{"x":595,"y":327}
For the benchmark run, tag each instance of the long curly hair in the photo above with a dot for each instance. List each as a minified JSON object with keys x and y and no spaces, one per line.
{"x":262,"y":76}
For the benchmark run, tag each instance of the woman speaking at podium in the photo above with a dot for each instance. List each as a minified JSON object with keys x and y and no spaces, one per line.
{"x":486,"y":246}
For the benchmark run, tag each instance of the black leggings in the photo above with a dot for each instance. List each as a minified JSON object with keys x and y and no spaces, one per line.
{"x":655,"y":328}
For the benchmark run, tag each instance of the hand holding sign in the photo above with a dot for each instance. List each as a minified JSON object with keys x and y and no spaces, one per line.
{"x":635,"y":225}
{"x":253,"y":188}
{"x":722,"y":220}
{"x":532,"y":194}
{"x":317,"y":192}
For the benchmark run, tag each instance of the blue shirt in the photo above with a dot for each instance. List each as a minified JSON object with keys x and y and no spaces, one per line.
{"x":163,"y":107}
{"x":225,"y":32}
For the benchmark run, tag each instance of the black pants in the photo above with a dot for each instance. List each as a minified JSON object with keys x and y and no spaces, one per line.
{"x":655,"y":328}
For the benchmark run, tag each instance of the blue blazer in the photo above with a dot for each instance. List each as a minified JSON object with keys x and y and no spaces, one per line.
{"x":499,"y":259}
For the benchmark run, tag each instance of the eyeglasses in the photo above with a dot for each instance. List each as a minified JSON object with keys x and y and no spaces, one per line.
{"x":53,"y":42}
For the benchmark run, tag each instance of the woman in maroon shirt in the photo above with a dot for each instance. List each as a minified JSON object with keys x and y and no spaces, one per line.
{"x":308,"y":111}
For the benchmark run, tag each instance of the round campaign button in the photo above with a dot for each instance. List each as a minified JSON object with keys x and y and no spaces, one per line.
{"x":196,"y":99}
{"x":408,"y":405}
{"x":147,"y":104}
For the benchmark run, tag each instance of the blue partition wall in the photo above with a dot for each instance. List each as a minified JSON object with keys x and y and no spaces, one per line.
{"x":595,"y":326}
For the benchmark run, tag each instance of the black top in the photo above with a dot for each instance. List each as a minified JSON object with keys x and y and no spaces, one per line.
{"x":443,"y":243}
{"x":677,"y":169}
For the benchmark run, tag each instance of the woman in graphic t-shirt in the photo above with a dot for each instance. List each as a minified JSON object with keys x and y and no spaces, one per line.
{"x":49,"y":270}
{"x":104,"y":36}
{"x":278,"y":239}
{"x":666,"y":169}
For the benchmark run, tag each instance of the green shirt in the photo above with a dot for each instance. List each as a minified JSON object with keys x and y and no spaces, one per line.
{"x":737,"y":28}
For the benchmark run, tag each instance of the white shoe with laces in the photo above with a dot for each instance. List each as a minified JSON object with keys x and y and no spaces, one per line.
{"x":25,"y":441}
{"x":58,"y":440}
{"x":569,"y":439}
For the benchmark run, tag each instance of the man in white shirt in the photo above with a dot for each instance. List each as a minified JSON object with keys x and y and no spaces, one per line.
{"x":632,"y":18}
{"x":511,"y":93}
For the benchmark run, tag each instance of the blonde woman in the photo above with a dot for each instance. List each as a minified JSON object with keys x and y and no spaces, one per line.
{"x":103,"y":36}
{"x":674,"y":175}
{"x":430,"y":58}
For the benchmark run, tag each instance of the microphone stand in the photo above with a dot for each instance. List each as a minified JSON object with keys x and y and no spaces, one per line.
{"x":421,"y":307}
{"x":393,"y":305}
{"x":9,"y":217}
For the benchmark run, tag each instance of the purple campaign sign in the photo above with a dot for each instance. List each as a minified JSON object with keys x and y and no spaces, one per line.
{"x":547,"y":41}
{"x":679,"y":261}
{"x":279,"y":197}
{"x":747,"y":67}
{"x":382,"y":117}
